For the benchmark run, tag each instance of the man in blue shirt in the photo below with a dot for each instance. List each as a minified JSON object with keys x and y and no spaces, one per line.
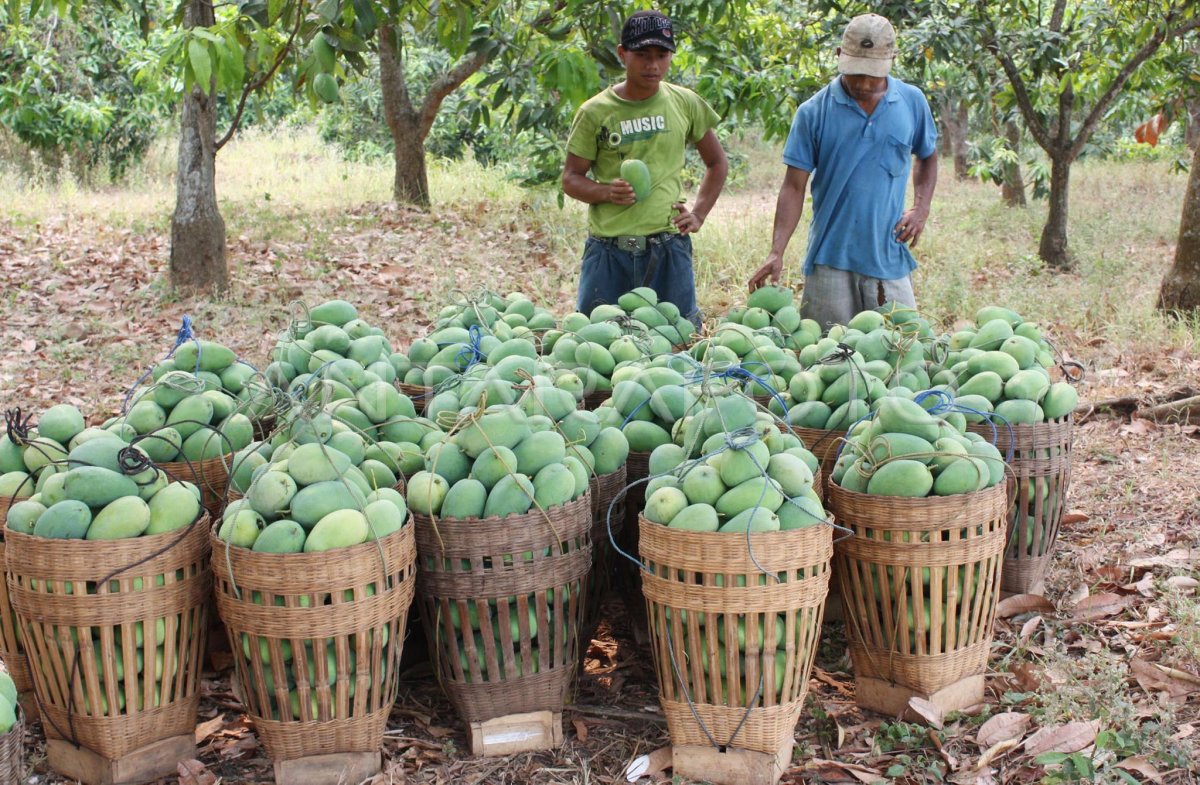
{"x":856,"y":138}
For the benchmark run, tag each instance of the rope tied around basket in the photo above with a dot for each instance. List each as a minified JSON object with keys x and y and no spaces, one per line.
{"x":17,"y":427}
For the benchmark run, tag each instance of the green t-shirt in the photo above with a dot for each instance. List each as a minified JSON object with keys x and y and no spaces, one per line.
{"x":608,"y":129}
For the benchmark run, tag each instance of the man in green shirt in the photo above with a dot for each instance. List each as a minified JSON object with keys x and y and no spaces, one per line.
{"x":645,"y":242}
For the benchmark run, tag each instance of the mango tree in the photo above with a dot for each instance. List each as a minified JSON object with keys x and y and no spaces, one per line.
{"x":1180,"y":289}
{"x":1068,"y":63}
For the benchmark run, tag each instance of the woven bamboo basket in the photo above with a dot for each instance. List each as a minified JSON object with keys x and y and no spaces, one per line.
{"x":82,"y":644}
{"x":637,"y":467}
{"x":530,"y":574}
{"x":419,"y":394}
{"x":12,"y":653}
{"x":900,"y":630}
{"x":12,"y":746}
{"x":703,"y":589}
{"x":210,"y":476}
{"x":1041,"y":476}
{"x":604,"y":489}
{"x":346,"y":609}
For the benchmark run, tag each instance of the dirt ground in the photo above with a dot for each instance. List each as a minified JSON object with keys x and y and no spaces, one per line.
{"x":1114,"y":646}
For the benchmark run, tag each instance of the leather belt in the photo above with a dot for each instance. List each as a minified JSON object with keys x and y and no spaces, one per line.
{"x":634,"y":243}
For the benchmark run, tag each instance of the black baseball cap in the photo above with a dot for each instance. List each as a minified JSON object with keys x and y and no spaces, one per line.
{"x":648,"y":28}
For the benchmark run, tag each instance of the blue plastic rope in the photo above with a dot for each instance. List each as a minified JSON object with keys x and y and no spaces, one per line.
{"x":184,"y":335}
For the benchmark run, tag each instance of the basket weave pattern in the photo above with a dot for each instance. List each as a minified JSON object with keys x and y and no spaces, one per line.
{"x":12,"y":746}
{"x":604,"y":489}
{"x":919,"y":581}
{"x":12,"y":653}
{"x":704,"y":589}
{"x":75,"y":636}
{"x":521,"y":583}
{"x":1041,"y":474}
{"x":348,"y":607}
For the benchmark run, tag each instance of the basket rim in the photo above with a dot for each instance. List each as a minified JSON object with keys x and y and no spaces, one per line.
{"x":142,"y":541}
{"x":949,"y":502}
{"x":756,"y":538}
{"x":494,"y":519}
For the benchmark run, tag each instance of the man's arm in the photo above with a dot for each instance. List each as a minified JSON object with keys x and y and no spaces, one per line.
{"x":912,"y":223}
{"x":577,"y":185}
{"x":788,"y":208}
{"x":716,"y":169}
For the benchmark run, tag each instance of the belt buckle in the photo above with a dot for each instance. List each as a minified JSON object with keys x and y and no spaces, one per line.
{"x":631,"y":243}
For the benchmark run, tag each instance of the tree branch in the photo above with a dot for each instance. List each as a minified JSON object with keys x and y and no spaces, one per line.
{"x":446,"y":84}
{"x":1148,"y":49}
{"x":250,"y":87}
{"x":1024,"y":103}
{"x":1056,"y":16}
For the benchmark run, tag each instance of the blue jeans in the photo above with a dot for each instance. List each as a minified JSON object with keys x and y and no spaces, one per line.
{"x":608,"y":272}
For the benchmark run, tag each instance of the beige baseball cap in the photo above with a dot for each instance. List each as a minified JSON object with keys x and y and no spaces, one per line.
{"x":868,"y":46}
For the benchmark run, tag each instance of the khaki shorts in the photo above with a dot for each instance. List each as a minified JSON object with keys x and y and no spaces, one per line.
{"x":833,"y":296}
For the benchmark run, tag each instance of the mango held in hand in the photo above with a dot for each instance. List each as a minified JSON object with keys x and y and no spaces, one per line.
{"x":637,"y":174}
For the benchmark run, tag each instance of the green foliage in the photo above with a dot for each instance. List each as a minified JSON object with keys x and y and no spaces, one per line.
{"x":72,"y":88}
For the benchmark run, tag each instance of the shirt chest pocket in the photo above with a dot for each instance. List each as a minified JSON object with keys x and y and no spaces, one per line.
{"x":895,"y":156}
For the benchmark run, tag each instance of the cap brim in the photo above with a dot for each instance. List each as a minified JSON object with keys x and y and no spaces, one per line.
{"x":656,"y":41}
{"x":863,"y":66}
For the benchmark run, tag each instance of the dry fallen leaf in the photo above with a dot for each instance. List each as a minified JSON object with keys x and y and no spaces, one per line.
{"x":1140,"y":765}
{"x":1100,"y":606}
{"x":927,"y":711}
{"x":206,"y":729}
{"x":1068,"y":738}
{"x":193,"y":772}
{"x":649,"y":765}
{"x":1023,"y":603}
{"x":581,"y":730}
{"x":1156,"y":678}
{"x":1183,"y":583}
{"x":997,"y":750}
{"x":1002,"y":727}
{"x":1028,"y":628}
{"x":839,"y":771}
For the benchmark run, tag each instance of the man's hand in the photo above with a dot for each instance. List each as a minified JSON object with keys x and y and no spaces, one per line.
{"x":772,"y":269}
{"x":686,"y":221}
{"x":621,"y":192}
{"x":911,"y":225}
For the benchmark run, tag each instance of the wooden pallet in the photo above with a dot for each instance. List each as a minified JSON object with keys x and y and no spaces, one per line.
{"x":513,"y":733}
{"x":154,"y":761}
{"x":892,"y":699}
{"x":336,"y":768}
{"x":731,"y":766}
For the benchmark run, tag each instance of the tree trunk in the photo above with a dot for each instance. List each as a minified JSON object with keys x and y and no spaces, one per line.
{"x":1181,"y":285}
{"x":958,"y":143}
{"x":1191,"y":117}
{"x":953,"y":138}
{"x":411,"y":181}
{"x":1013,"y":187}
{"x":1053,"y":246}
{"x":197,"y":229}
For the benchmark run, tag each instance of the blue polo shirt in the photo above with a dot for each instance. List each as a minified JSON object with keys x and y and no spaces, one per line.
{"x":859,"y":168}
